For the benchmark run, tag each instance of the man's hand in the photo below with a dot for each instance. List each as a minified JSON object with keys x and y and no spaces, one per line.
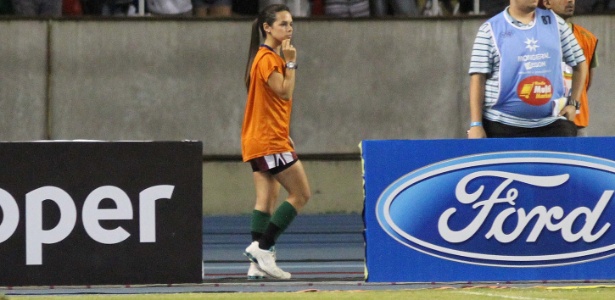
{"x":476,"y":132}
{"x":569,"y":111}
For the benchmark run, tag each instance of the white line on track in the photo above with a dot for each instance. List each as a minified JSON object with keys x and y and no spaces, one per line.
{"x":501,"y":296}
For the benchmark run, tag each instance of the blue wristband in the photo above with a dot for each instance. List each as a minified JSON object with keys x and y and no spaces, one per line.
{"x":474,"y":124}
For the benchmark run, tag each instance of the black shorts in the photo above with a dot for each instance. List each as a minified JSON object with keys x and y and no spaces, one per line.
{"x":559,"y":128}
{"x":274,"y":163}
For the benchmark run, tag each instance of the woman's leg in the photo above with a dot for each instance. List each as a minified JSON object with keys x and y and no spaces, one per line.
{"x":267,"y":191}
{"x":294,"y":180}
{"x":296,"y":184}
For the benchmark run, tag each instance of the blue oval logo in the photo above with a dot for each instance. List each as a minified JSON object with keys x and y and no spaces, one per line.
{"x":513,"y":209}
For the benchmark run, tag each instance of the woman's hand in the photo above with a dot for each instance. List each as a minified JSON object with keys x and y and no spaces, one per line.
{"x":289,"y":51}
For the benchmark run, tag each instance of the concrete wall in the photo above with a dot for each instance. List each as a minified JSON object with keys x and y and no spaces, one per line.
{"x":23,"y":80}
{"x":337,"y":187}
{"x":183,"y":80}
{"x":152,"y":79}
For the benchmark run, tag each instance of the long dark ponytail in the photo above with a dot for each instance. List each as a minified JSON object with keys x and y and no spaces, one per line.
{"x":267,"y":15}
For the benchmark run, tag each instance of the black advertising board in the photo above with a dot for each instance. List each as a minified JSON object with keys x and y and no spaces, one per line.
{"x":89,"y":212}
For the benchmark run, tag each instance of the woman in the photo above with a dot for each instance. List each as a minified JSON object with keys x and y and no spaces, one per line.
{"x":265,"y":139}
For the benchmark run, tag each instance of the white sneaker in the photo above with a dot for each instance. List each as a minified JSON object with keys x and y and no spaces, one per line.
{"x":255,"y":272}
{"x":266,"y":261}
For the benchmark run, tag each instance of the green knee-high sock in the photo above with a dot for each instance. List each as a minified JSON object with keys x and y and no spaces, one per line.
{"x":259,"y":223}
{"x":280,"y":220}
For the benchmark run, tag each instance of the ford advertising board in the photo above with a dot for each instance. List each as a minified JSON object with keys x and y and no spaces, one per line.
{"x":489,"y":210}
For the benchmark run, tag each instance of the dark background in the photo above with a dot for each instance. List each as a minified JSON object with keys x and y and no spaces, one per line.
{"x":79,"y":168}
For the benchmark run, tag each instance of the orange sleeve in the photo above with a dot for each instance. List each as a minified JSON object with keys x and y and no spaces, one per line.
{"x":266,"y":66}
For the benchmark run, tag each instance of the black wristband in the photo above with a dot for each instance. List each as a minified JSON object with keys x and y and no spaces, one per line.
{"x":573,"y":102}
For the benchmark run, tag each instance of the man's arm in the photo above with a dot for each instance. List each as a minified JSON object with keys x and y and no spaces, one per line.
{"x":580,"y":72}
{"x":573,"y":56}
{"x":477,"y":99}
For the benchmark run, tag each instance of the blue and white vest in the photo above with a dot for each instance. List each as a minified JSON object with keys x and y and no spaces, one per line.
{"x":530,"y":66}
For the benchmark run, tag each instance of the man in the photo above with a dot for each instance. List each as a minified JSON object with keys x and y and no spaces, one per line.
{"x":212,"y":8}
{"x":383,"y":8}
{"x":179,"y":8}
{"x":31,"y":8}
{"x":347,"y":8}
{"x":588,"y":42}
{"x":492,"y":7}
{"x":298,"y":8}
{"x":516,"y":83}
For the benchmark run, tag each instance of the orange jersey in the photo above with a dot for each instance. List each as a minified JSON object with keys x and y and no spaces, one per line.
{"x":266,"y":122}
{"x":588,"y":43}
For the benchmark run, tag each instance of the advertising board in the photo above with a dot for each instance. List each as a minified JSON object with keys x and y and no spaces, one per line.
{"x":100,"y":213}
{"x":489,"y":210}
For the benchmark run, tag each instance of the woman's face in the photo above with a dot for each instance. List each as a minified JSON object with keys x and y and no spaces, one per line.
{"x":282,"y":28}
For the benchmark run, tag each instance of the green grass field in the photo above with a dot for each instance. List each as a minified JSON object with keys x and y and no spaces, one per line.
{"x":536,"y":293}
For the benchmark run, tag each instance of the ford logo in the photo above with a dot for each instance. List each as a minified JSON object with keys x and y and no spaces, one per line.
{"x":508,"y":209}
